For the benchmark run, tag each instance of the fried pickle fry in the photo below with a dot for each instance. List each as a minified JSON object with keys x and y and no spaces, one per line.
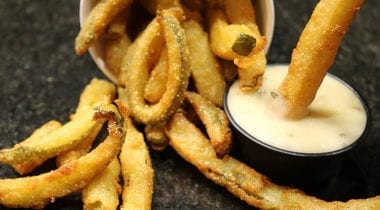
{"x":79,"y":150}
{"x":118,"y":26}
{"x":32,"y":153}
{"x":70,"y":177}
{"x":96,"y":93}
{"x":45,"y":129}
{"x":243,"y":12}
{"x":315,"y":53}
{"x":146,"y":47}
{"x":104,"y":190}
{"x":156,"y":85}
{"x":227,"y":29}
{"x":205,"y":69}
{"x":222,"y":34}
{"x":251,"y":67}
{"x":136,"y":69}
{"x":215,"y":121}
{"x":239,"y":17}
{"x":116,"y":43}
{"x":137,"y":171}
{"x":242,"y":181}
{"x":96,"y":22}
{"x":114,"y":52}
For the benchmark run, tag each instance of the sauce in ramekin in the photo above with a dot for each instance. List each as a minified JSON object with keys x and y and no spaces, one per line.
{"x":336,"y":117}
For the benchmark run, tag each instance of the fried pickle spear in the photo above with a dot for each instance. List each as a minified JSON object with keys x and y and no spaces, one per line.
{"x":96,"y":22}
{"x":315,"y":53}
{"x":205,"y":69}
{"x":234,"y":35}
{"x":79,"y":150}
{"x":45,"y":129}
{"x":251,"y":67}
{"x":30,"y":154}
{"x":154,"y":132}
{"x":104,"y":190}
{"x":96,"y":93}
{"x":136,"y":167}
{"x":215,"y":121}
{"x":243,"y":12}
{"x":136,"y":70}
{"x":222,"y":34}
{"x":37,"y":191}
{"x":243,"y":181}
{"x":156,"y":85}
{"x":116,"y":42}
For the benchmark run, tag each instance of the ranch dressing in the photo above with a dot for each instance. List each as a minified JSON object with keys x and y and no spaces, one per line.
{"x":336,"y":117}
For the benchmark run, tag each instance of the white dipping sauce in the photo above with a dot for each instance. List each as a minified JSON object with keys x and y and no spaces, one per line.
{"x":336,"y":117}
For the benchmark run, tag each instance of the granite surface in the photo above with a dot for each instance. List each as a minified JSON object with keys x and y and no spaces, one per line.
{"x":41,"y":79}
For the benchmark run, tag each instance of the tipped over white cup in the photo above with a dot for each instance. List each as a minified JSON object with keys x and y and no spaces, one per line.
{"x":265,"y":16}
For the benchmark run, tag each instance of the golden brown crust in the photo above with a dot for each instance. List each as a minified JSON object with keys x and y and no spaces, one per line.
{"x":243,"y":181}
{"x":205,"y":69}
{"x":34,"y":152}
{"x":215,"y":121}
{"x":315,"y":53}
{"x":68,"y":178}
{"x":24,"y":168}
{"x":95,"y":24}
{"x":104,"y":190}
{"x":228,"y":19}
{"x":137,"y":171}
{"x":135,"y":71}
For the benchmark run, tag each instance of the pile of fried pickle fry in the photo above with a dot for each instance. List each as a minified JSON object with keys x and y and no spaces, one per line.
{"x":172,"y":60}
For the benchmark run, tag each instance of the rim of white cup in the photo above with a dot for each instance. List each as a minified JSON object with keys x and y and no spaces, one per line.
{"x":265,"y":20}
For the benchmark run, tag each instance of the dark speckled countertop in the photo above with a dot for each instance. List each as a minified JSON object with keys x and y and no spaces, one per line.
{"x":41,"y":79}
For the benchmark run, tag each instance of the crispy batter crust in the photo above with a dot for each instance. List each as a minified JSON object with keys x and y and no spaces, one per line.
{"x":315,"y":53}
{"x":243,"y":181}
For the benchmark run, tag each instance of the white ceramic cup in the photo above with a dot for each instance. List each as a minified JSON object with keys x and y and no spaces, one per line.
{"x":264,"y":14}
